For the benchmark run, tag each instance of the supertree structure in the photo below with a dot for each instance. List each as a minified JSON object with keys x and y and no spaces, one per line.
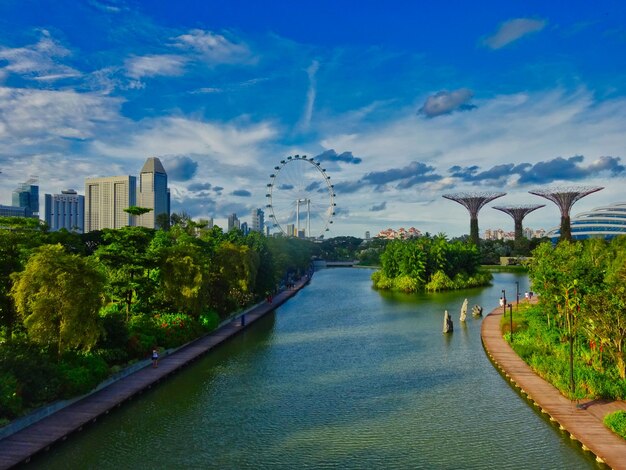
{"x":518,"y":212}
{"x":473,"y":202}
{"x":565,"y":197}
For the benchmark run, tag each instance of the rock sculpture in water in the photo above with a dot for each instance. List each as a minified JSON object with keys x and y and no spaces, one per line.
{"x":464,"y":310}
{"x":448,"y":327}
{"x":477,"y":311}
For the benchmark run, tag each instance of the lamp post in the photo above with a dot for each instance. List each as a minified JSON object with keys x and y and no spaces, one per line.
{"x":511,"y":315}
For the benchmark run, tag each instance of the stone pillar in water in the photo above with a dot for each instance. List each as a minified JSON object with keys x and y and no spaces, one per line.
{"x":448,"y":327}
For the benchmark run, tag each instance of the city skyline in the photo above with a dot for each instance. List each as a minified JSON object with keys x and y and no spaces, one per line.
{"x":401,"y":103}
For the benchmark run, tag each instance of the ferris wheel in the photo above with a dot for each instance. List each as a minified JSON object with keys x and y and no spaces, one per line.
{"x":300,"y":198}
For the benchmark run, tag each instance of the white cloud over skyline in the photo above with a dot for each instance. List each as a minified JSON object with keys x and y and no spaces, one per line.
{"x":222,"y":108}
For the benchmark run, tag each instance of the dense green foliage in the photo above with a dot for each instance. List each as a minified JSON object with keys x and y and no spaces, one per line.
{"x":546,"y":351}
{"x":616,"y":422}
{"x":429,"y":263}
{"x":575,"y":338}
{"x":74,"y":308}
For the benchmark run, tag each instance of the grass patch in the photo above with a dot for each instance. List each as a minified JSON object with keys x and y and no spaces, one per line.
{"x":616,"y":422}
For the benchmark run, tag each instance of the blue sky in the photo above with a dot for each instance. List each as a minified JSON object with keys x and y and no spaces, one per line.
{"x":405,"y":101}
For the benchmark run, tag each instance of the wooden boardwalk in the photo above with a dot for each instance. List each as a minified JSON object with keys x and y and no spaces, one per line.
{"x":21,"y":446}
{"x":583,"y":422}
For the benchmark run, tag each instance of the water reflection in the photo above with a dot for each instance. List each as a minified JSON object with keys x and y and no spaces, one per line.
{"x":365,"y":380}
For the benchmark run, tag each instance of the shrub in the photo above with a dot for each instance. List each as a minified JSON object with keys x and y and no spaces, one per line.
{"x":209,"y":320}
{"x":115,"y":330}
{"x":405,"y":284}
{"x":616,"y":422}
{"x":381,"y":281}
{"x":140,"y":345}
{"x":81,"y":372}
{"x":36,"y":373}
{"x":440,"y":281}
{"x":176,"y":329}
{"x":10,"y":400}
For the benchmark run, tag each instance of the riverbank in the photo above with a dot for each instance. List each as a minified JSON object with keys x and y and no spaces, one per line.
{"x":583,"y":421}
{"x":20,"y":446}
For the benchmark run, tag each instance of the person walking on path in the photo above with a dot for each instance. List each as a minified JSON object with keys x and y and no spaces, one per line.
{"x":155,"y":358}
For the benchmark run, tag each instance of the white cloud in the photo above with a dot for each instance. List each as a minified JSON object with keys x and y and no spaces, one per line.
{"x":232,"y":143}
{"x":32,"y":117}
{"x":517,"y":128}
{"x":213,"y":48}
{"x":311,"y":93}
{"x":445,"y":102}
{"x":38,"y":61}
{"x":154,"y":65}
{"x":512,"y":30}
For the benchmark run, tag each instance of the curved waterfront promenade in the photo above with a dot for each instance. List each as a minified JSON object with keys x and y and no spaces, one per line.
{"x":583,"y":422}
{"x":22,"y":445}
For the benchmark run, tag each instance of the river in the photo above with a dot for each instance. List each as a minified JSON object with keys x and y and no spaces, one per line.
{"x":341,"y":376}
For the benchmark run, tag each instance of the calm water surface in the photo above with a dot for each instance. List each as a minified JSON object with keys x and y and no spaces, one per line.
{"x":341,"y":376}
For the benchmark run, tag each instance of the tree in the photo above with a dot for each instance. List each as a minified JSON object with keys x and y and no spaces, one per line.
{"x":18,"y":237}
{"x":58,"y":296}
{"x":233,"y":276}
{"x":183,"y":274}
{"x":128,"y":262}
{"x":137,"y":211}
{"x":605,"y":309}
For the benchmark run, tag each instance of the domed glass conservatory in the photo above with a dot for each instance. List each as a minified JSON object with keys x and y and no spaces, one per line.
{"x":602,"y":222}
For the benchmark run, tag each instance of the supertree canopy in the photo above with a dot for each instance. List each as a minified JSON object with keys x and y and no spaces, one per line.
{"x":518,"y":212}
{"x":565,"y":197}
{"x":473,"y":202}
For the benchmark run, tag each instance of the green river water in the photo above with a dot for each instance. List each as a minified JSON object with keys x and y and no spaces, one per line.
{"x":341,"y":376}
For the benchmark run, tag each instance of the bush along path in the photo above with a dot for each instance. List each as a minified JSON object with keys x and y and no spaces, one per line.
{"x":22,"y":445}
{"x":583,"y":421}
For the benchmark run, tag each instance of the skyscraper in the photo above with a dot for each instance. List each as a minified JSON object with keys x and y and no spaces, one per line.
{"x":26,"y":196}
{"x":152,"y":193}
{"x":233,"y":221}
{"x":105,"y":201}
{"x":65,"y":210}
{"x":258,"y":220}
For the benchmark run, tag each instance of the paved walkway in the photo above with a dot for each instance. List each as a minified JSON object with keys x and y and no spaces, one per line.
{"x":19,"y":447}
{"x":583,"y":423}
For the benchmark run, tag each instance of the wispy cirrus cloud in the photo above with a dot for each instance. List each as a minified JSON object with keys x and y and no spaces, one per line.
{"x":307,"y":114}
{"x":39,"y":61}
{"x":154,"y":65}
{"x":513,"y":30}
{"x":32,"y":117}
{"x":214,"y":48}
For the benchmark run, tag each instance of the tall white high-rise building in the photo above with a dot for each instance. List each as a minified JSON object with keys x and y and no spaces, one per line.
{"x":258,"y":220}
{"x":152,"y":193}
{"x":65,"y":210}
{"x":105,"y":201}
